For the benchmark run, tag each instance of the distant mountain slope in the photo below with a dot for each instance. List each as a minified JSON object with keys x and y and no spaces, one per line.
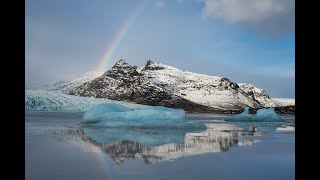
{"x":285,"y":101}
{"x":67,"y":86}
{"x":258,"y":94}
{"x":212,"y":91}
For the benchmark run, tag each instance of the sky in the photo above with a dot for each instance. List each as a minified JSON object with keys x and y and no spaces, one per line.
{"x":249,"y":41}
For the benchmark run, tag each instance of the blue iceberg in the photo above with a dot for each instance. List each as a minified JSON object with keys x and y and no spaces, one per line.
{"x":103,"y":111}
{"x":267,"y":115}
{"x":115,"y":115}
{"x":263,"y":115}
{"x":244,"y":116}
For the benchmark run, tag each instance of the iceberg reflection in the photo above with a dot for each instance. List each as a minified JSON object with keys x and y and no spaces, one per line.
{"x":154,"y":145}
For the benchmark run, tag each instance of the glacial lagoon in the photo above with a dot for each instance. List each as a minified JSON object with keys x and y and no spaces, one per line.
{"x":57,"y":146}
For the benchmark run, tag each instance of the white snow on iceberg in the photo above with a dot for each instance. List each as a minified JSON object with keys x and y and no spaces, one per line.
{"x":112,"y":115}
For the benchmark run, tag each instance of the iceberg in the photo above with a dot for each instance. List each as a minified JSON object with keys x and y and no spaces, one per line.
{"x":115,"y":115}
{"x":104,"y":111}
{"x":263,"y":115}
{"x":267,"y":115}
{"x":244,"y":116}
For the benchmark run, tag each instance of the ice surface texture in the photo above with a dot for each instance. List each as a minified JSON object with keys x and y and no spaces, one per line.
{"x":113,"y":115}
{"x":263,"y":115}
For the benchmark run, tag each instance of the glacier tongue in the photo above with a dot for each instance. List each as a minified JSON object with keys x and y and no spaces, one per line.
{"x":40,"y":100}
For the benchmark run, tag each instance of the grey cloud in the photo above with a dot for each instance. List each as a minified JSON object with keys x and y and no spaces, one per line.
{"x":267,"y":17}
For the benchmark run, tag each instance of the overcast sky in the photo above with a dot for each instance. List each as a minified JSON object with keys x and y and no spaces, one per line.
{"x":246,"y":41}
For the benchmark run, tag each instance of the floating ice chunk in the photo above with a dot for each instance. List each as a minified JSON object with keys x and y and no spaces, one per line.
{"x":112,"y":115}
{"x":285,"y":129}
{"x":267,"y":115}
{"x":108,"y":112}
{"x":100,"y":112}
{"x":244,"y":116}
{"x":263,"y":115}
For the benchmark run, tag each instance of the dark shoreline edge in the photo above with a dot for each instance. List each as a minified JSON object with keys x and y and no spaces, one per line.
{"x":283,"y":110}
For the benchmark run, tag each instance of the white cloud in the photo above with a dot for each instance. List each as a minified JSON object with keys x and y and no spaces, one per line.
{"x":271,"y":17}
{"x":159,"y":4}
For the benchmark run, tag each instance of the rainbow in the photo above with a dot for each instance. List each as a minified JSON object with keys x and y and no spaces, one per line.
{"x":119,"y":36}
{"x":104,"y":164}
{"x":101,"y":158}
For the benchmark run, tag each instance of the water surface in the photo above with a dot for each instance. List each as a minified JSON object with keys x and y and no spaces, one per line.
{"x":57,"y":147}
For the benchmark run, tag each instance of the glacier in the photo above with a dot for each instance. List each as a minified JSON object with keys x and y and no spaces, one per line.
{"x":263,"y":115}
{"x":42,"y":100}
{"x":113,"y":115}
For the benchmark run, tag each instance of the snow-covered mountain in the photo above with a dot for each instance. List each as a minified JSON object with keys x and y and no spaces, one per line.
{"x":164,"y":85}
{"x":212,"y":91}
{"x":258,"y":94}
{"x":124,"y":83}
{"x":67,"y":86}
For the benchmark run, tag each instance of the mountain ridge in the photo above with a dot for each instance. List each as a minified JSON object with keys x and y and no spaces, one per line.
{"x":159,"y":84}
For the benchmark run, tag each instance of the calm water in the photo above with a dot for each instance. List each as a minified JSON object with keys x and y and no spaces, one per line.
{"x":57,"y":147}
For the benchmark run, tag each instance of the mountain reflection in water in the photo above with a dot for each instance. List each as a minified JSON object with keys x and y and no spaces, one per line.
{"x":154,"y":145}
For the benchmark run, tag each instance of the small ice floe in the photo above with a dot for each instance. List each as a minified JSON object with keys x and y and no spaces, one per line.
{"x":246,"y":142}
{"x":223,"y":127}
{"x":285,"y":129}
